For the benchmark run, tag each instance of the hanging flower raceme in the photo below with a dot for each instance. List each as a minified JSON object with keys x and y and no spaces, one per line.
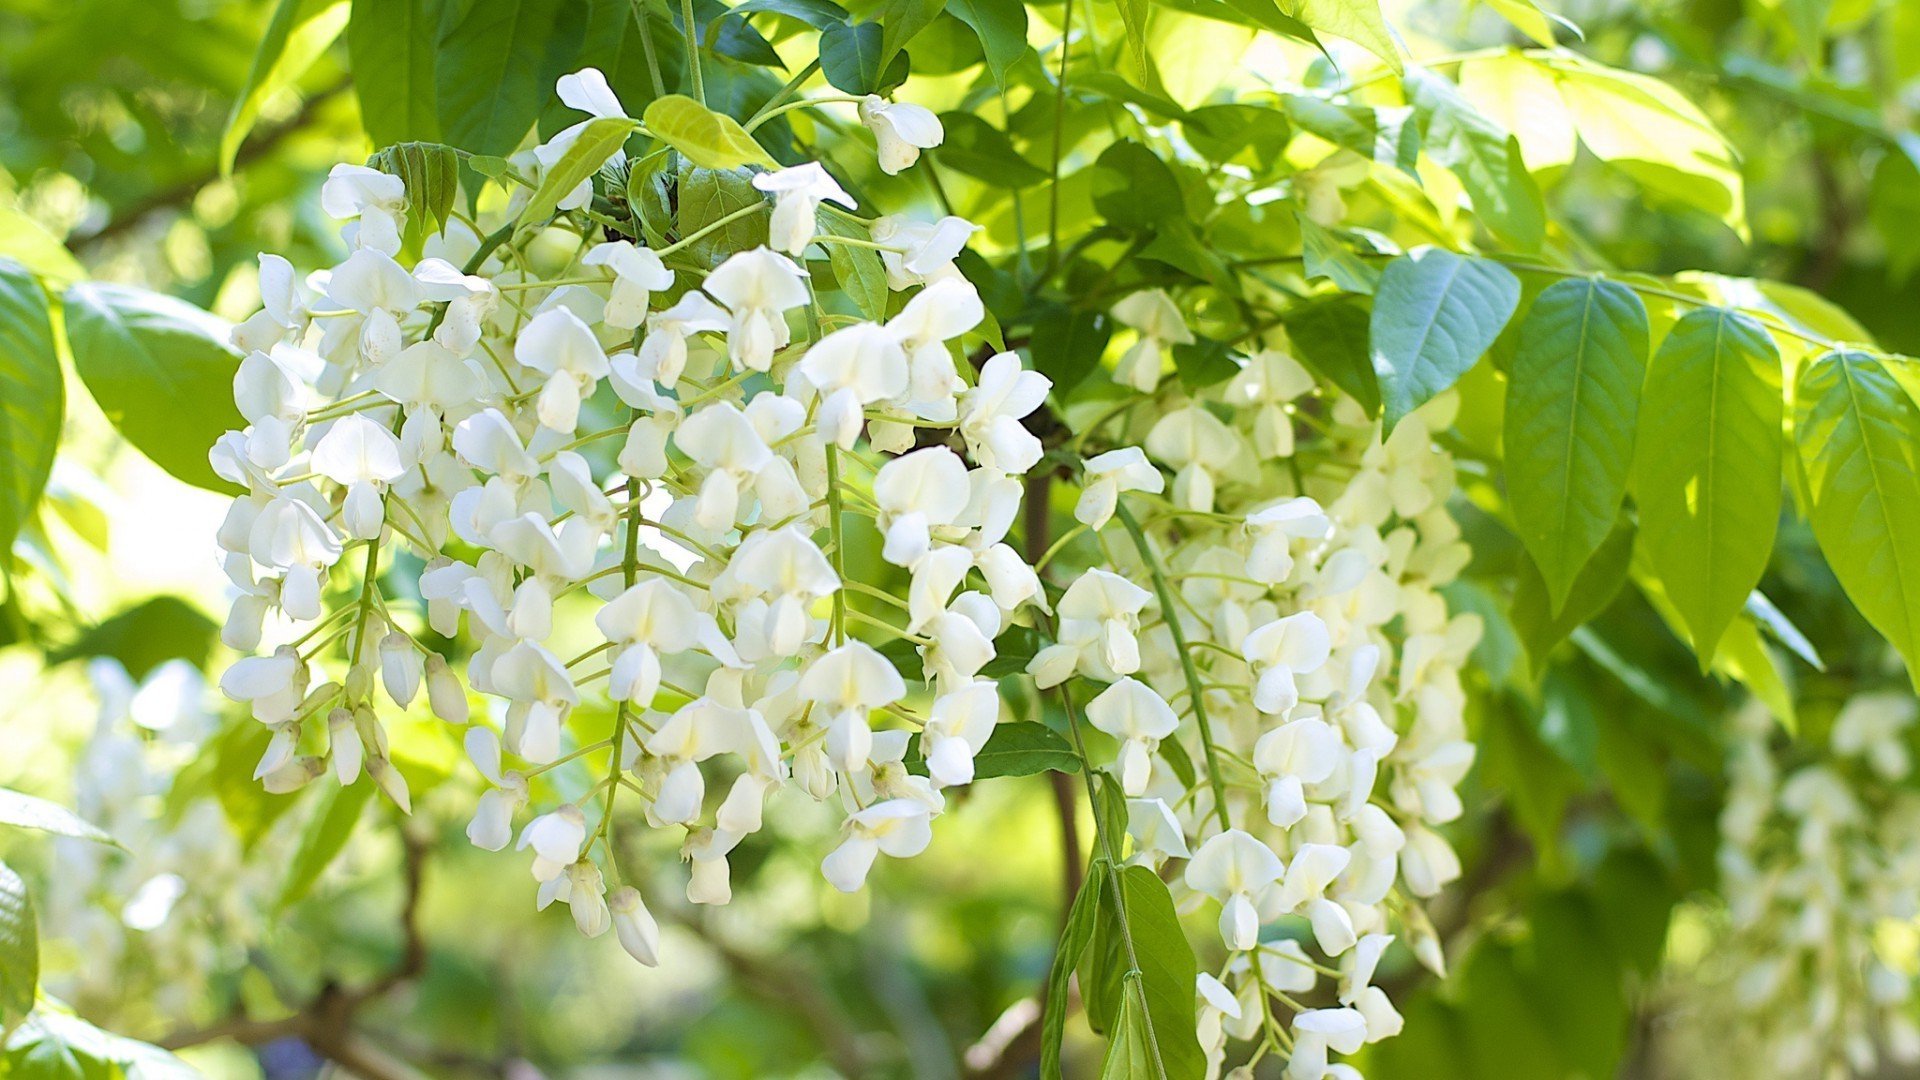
{"x":429,"y":447}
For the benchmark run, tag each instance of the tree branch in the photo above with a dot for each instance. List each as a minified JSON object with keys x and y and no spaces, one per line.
{"x":326,"y":1023}
{"x":180,"y":194}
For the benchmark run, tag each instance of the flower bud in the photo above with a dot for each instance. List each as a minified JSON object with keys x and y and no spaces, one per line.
{"x":343,"y":742}
{"x":635,"y":926}
{"x":400,"y":668}
{"x":391,"y":783}
{"x":445,"y":696}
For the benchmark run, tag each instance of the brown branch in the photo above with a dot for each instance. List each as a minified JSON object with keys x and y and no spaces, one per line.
{"x":326,"y":1023}
{"x":180,"y":194}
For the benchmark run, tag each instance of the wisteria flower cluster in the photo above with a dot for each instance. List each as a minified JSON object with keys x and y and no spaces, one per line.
{"x":1821,"y":866}
{"x":680,"y":453}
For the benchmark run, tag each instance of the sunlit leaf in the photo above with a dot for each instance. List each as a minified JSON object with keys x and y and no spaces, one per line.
{"x":32,"y":398}
{"x":1707,"y":467}
{"x":1858,"y":434}
{"x":1573,"y":402}
{"x":296,"y":36}
{"x":709,"y":139}
{"x":161,"y":370}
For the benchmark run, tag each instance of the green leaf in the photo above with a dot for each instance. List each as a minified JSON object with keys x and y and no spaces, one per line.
{"x":1376,"y":136}
{"x":29,"y":243}
{"x":1648,"y":130}
{"x":1163,"y":981}
{"x":1066,"y":344}
{"x":497,"y":61}
{"x":1775,"y":623}
{"x":160,"y":369}
{"x":1330,"y":336}
{"x":1531,"y":20}
{"x":390,"y":45}
{"x":1001,"y":26}
{"x":706,"y":196}
{"x":818,"y":14}
{"x":1434,"y":314}
{"x":1130,"y":1052}
{"x":1074,"y":938}
{"x":709,"y":139}
{"x":1134,"y":15}
{"x":147,"y":635}
{"x":1893,"y":205}
{"x":1325,"y":256}
{"x":1541,"y":624}
{"x":903,"y":20}
{"x":326,"y":834}
{"x":1227,"y":133}
{"x":1483,"y":155}
{"x":1573,"y":403}
{"x":56,"y":1045}
{"x":1858,"y":434}
{"x":1204,"y":363}
{"x":596,"y":143}
{"x":1133,"y":188}
{"x":1707,"y":467}
{"x":19,"y":949}
{"x":298,"y":33}
{"x":1016,"y":748}
{"x":430,"y":172}
{"x":1359,"y":21}
{"x":861,"y":274}
{"x":32,"y":398}
{"x":23,"y":811}
{"x":850,"y":56}
{"x":984,"y":152}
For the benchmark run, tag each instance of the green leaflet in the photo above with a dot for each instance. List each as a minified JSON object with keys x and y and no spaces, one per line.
{"x":1858,"y":433}
{"x":1073,"y":942}
{"x":336,"y":813}
{"x":1434,"y":314}
{"x":859,"y":270}
{"x":32,"y":399}
{"x":709,"y":139}
{"x":1001,"y":26}
{"x":850,"y":56}
{"x":597,"y":142}
{"x":160,"y":369}
{"x":1325,"y":256}
{"x":1484,"y":157}
{"x":1016,"y":748}
{"x":1707,"y":467}
{"x":19,"y":949}
{"x":1162,"y":983}
{"x":1542,"y":626}
{"x":706,"y":196}
{"x":1330,"y":334}
{"x":431,"y":174}
{"x":298,"y":33}
{"x":497,"y":61}
{"x":1573,"y":401}
{"x":390,"y":45}
{"x":23,"y":811}
{"x":1359,"y":21}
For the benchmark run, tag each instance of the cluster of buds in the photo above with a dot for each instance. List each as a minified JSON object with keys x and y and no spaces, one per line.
{"x":634,"y":494}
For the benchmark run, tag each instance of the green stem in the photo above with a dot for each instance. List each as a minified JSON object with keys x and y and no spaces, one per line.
{"x":1194,"y":689}
{"x":803,"y":103}
{"x":693,"y":51}
{"x":646,"y":46}
{"x":1059,"y":142}
{"x":711,"y":226}
{"x":834,"y":511}
{"x":785,"y":92}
